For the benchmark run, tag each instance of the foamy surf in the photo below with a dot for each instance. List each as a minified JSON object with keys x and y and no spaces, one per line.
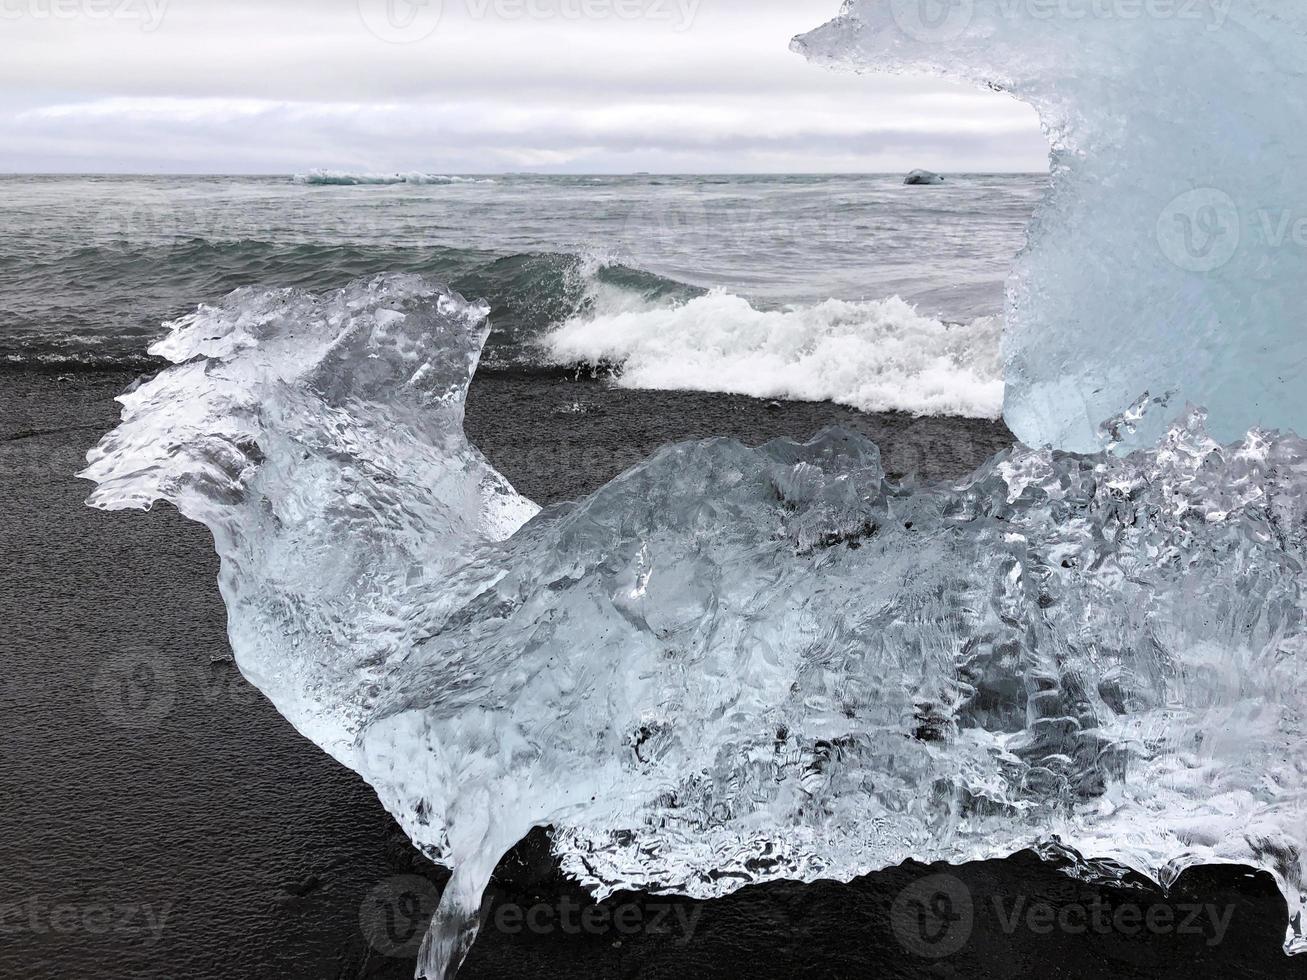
{"x":876,"y":356}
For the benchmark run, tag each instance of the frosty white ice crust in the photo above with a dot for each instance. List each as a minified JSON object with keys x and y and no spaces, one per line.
{"x":730,"y":665}
{"x":1171,"y":253}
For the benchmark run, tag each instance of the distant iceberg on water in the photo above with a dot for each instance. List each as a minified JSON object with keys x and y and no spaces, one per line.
{"x":341,"y":178}
{"x":922,"y":177}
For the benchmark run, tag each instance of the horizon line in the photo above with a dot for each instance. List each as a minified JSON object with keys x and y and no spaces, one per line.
{"x":519,"y":173}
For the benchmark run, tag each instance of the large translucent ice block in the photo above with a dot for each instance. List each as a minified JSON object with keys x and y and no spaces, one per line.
{"x":731,"y":665}
{"x":1171,"y":254}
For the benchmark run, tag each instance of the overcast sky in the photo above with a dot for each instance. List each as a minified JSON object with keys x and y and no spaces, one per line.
{"x":469,"y":86}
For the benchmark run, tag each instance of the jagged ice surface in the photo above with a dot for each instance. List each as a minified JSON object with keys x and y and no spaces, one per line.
{"x":729,"y":665}
{"x":1171,"y":253}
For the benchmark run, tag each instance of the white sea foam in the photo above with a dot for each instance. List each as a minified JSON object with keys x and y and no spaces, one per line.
{"x":877,"y":355}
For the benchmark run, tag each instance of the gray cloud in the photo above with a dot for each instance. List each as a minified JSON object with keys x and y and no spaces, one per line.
{"x":580,"y":85}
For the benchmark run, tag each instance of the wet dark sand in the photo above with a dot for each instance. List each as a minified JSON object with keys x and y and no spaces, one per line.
{"x":159,"y":820}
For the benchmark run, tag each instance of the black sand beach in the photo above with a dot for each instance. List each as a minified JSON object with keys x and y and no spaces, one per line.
{"x":158,"y":819}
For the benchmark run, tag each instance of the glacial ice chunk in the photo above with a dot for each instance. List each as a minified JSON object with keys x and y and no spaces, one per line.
{"x":922,"y":177}
{"x":321,"y":441}
{"x":1171,"y":252}
{"x":731,"y":665}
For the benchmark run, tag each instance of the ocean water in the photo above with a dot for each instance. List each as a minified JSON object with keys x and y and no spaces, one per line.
{"x":576,"y":269}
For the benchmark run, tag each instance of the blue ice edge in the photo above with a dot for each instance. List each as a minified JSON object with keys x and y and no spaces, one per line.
{"x":733,"y":665}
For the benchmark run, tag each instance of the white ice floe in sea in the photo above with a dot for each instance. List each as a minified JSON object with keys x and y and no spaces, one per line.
{"x":732,"y":665}
{"x":345,"y":178}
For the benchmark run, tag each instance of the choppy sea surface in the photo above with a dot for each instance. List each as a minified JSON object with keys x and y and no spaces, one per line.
{"x":755,"y":284}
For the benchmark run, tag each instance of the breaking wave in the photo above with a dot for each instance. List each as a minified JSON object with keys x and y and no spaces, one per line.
{"x":128,"y":289}
{"x":875,"y":356}
{"x":547,"y":309}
